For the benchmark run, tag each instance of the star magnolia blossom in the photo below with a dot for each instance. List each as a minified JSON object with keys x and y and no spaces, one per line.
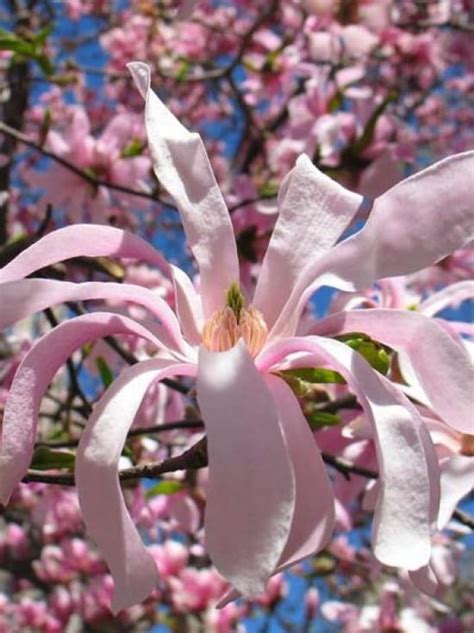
{"x":269,"y":501}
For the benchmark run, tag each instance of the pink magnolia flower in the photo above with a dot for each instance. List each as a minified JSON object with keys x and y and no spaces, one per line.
{"x":269,"y":501}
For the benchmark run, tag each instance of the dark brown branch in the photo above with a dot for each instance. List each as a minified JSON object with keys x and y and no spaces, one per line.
{"x":192,"y":459}
{"x":464,"y":518}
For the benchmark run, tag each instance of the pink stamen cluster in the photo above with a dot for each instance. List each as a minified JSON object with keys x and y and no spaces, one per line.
{"x":222,"y":331}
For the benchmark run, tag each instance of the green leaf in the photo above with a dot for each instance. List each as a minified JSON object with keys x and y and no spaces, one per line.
{"x":315,"y":375}
{"x":269,"y":189}
{"x":168,"y":487}
{"x":301,"y":380}
{"x":335,"y":102}
{"x":105,"y":372}
{"x":45,"y":64}
{"x":30,"y":49}
{"x":43,"y":34}
{"x":11,"y":42}
{"x":45,"y":458}
{"x":373,"y":351}
{"x":324,"y":564}
{"x":183,"y":71}
{"x":134,"y":148}
{"x":320,"y":419}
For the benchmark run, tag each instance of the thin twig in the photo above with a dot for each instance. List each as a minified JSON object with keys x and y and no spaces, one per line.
{"x":464,"y":518}
{"x":192,"y":459}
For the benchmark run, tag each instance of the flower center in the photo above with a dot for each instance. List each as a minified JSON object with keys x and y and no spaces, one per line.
{"x":225,"y":327}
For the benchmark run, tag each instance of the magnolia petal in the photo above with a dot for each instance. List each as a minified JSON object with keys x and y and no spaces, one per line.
{"x":457,"y":481}
{"x":188,"y":306}
{"x":251,"y":495}
{"x":103,"y":508}
{"x":313,"y":212}
{"x":40,"y":364}
{"x":401,"y":527}
{"x":451,"y":295}
{"x":81,"y":240}
{"x":440,"y":365}
{"x":408,"y":229}
{"x":314,"y":514}
{"x":181,"y":165}
{"x":23,"y":297}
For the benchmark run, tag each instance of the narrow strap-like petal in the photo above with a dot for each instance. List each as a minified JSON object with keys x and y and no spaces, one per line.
{"x":24,"y":297}
{"x":103,"y":509}
{"x":415,"y":224}
{"x":440,"y":365}
{"x":251,"y":494}
{"x":40,"y":364}
{"x":81,"y":240}
{"x":313,"y":212}
{"x":188,"y":306}
{"x":401,"y":526}
{"x":181,"y":165}
{"x":313,"y":518}
{"x":89,"y":240}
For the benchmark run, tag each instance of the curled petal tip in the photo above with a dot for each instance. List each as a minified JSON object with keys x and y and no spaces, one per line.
{"x":141,"y":76}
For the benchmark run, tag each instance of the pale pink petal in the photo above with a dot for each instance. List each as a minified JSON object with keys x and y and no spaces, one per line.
{"x":401,"y":528}
{"x":251,"y":496}
{"x":182,"y":166}
{"x":314,"y":513}
{"x":451,"y":296}
{"x":81,"y":240}
{"x":103,"y":509}
{"x":188,"y":306}
{"x":457,"y":481}
{"x":416,"y":223}
{"x":313,"y":212}
{"x":21,"y":298}
{"x":440,"y":364}
{"x":40,"y":364}
{"x":313,"y":518}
